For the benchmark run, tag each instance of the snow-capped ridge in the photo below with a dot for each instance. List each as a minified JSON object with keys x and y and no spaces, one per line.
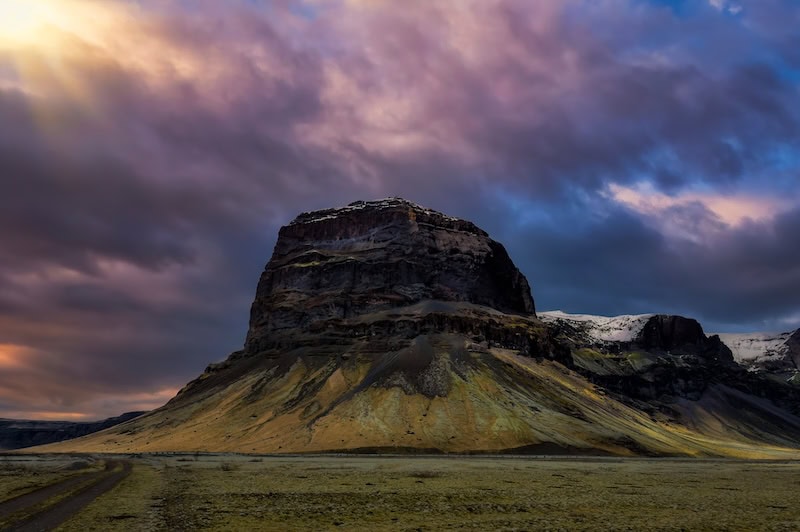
{"x":604,"y":328}
{"x":751,"y":348}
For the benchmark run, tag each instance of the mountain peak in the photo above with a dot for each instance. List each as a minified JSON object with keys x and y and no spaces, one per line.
{"x":371,"y":256}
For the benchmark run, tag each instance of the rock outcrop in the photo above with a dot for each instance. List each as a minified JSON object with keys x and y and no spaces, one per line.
{"x":793,"y":348}
{"x":387,"y":326}
{"x":668,"y":332}
{"x":371,"y":257}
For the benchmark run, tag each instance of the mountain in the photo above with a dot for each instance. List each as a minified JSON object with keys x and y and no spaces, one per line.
{"x":776,"y":355}
{"x":386,"y":326}
{"x":20,"y":433}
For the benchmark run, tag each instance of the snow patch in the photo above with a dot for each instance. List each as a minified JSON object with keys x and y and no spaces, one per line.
{"x":606,"y":328}
{"x":756,"y":347}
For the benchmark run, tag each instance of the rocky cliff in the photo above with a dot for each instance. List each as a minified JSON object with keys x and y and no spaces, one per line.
{"x":386,"y":326}
{"x":371,"y":257}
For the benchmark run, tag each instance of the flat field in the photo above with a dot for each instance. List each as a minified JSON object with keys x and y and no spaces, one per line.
{"x":243,"y":492}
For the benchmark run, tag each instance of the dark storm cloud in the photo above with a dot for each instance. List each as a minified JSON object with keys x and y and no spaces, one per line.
{"x":145,"y":172}
{"x":544,"y":102}
{"x":748,"y":276}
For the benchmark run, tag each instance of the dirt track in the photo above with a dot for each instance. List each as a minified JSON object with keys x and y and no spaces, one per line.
{"x":70,"y":496}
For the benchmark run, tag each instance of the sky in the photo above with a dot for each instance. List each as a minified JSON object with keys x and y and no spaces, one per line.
{"x":632,"y":155}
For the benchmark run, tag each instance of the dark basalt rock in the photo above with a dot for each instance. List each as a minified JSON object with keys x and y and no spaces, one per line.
{"x":682,"y":335}
{"x":793,"y":346}
{"x":338,"y":264}
{"x":668,"y":332}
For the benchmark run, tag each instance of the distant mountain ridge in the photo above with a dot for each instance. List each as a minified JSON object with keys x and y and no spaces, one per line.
{"x":384,"y":326}
{"x":21,"y":433}
{"x":776,"y":355}
{"x":603,"y":328}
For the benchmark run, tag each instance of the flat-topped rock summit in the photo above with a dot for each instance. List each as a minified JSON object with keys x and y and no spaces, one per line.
{"x":372,"y":256}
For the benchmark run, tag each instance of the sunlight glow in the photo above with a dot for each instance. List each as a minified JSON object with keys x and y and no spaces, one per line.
{"x":11,"y":356}
{"x":22,"y":21}
{"x":46,"y":45}
{"x":52,"y":24}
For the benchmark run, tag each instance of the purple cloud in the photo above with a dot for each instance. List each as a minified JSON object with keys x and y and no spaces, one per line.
{"x":148,"y":159}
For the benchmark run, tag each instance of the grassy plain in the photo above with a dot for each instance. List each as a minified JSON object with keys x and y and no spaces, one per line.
{"x":23,"y":474}
{"x":241,"y":492}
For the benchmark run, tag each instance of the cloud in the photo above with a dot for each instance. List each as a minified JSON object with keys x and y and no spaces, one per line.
{"x":744,"y":279}
{"x":724,"y":5}
{"x":698,"y":216}
{"x":153,"y":151}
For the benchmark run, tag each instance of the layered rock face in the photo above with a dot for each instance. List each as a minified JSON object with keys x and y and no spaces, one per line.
{"x":369,"y":257}
{"x":385,"y":326}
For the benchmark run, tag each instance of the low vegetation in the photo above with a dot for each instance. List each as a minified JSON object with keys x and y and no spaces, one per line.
{"x":22,"y":474}
{"x":233,"y":492}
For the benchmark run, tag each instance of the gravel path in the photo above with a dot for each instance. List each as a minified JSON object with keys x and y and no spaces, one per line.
{"x":52,"y":516}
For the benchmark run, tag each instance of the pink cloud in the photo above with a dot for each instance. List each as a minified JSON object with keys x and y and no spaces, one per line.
{"x":732,"y":210}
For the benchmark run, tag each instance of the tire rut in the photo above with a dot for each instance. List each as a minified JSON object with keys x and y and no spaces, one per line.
{"x":51,"y":517}
{"x":40,"y":495}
